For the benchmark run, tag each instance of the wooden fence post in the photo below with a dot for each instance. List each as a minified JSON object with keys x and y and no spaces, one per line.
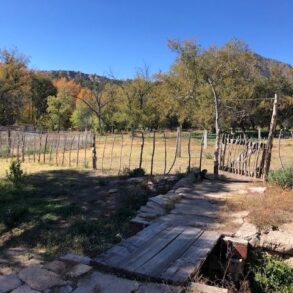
{"x":200,"y":155}
{"x":205,"y":139}
{"x":104,"y":149}
{"x":141,"y":150}
{"x":9,"y":141}
{"x":131,"y":146}
{"x":112,"y":149}
{"x":179,"y":132}
{"x":189,"y":152}
{"x":94,"y":152}
{"x":165,"y":158}
{"x":217,"y":143}
{"x":259,"y":133}
{"x":280,"y":158}
{"x":121,"y":152}
{"x":77,"y":153}
{"x":175,"y":157}
{"x":153,"y":153}
{"x":45,"y":148}
{"x":22,"y":146}
{"x":268,"y":154}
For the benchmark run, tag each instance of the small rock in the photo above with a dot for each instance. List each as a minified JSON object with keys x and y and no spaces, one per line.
{"x":40,"y":279}
{"x":203,"y":288}
{"x":289,"y":262}
{"x":63,"y":289}
{"x":9,"y":282}
{"x":279,"y":241}
{"x":113,"y":190}
{"x":78,"y":270}
{"x":157,"y":288}
{"x":105,"y":283}
{"x":24,"y":289}
{"x":55,"y":266}
{"x":257,"y":189}
{"x":248,"y":232}
{"x":76,"y":258}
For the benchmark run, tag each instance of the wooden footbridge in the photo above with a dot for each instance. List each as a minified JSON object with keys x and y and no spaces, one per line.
{"x":173,"y":247}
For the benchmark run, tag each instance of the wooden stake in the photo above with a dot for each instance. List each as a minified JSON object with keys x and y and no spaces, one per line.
{"x":280,"y":158}
{"x":57,"y":148}
{"x":201,"y":149}
{"x":22,"y":146}
{"x":131,"y":146}
{"x":141,"y":150}
{"x":40,"y":146}
{"x":77,"y":153}
{"x":94,"y":152}
{"x":71,"y":145}
{"x":64,"y":149}
{"x":217,"y":143}
{"x":175,"y":157}
{"x":268,"y":154}
{"x":165,"y":145}
{"x":153,"y":153}
{"x":113,"y":143}
{"x":105,"y":143}
{"x":189,"y":153}
{"x":45,"y":148}
{"x":121,"y":151}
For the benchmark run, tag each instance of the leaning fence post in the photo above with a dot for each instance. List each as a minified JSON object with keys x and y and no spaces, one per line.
{"x":269,"y":147}
{"x":153,"y":153}
{"x":165,"y":157}
{"x":94,"y":152}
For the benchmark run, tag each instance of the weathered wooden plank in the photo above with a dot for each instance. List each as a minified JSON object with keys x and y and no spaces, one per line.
{"x":201,"y":210}
{"x":190,"y":262}
{"x":188,"y":220}
{"x":150,"y":249}
{"x":126,"y":247}
{"x":170,"y":253}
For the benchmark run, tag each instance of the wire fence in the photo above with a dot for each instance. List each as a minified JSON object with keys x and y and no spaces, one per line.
{"x":156,"y":152}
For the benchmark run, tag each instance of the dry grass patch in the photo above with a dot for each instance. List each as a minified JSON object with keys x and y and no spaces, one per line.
{"x":272,"y":208}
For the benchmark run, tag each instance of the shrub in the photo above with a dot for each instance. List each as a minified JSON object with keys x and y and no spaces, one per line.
{"x":13,"y":216}
{"x":137,"y":172}
{"x":209,"y":156}
{"x":284,"y":178}
{"x":15,"y":174}
{"x":272,"y":274}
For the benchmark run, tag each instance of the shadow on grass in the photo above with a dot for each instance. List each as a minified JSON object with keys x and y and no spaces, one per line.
{"x":68,"y":210}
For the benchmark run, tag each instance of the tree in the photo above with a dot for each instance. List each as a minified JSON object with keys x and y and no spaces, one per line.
{"x":15,"y":86}
{"x":59,"y":109}
{"x":99,"y":100}
{"x":42,"y":87}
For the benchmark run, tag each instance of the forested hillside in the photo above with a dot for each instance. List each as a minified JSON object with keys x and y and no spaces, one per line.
{"x":244,"y":81}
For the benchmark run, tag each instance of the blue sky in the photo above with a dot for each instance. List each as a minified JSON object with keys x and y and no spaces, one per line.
{"x":121,"y":36}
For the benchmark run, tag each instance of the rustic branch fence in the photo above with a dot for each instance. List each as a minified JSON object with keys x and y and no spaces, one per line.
{"x":109,"y":153}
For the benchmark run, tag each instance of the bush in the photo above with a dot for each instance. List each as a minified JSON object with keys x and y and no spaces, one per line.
{"x":284,"y":178}
{"x":272,"y":275}
{"x":13,"y":216}
{"x":137,"y":172}
{"x":15,"y":174}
